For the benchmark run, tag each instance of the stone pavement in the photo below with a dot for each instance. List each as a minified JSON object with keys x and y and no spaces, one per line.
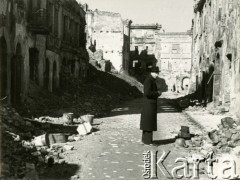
{"x":115,"y":151}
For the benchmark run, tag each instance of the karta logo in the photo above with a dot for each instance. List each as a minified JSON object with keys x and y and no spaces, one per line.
{"x":153,"y":165}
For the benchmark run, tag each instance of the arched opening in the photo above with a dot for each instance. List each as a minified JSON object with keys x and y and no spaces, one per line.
{"x":16,"y":76}
{"x":46,"y":74}
{"x":54,"y":76}
{"x":217,"y":79}
{"x":63,"y":73}
{"x":3,"y":67}
{"x":33,"y":63}
{"x":185,"y":83}
{"x":210,"y":83}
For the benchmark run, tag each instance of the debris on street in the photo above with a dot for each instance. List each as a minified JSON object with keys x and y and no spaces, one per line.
{"x":95,"y":96}
{"x":84,"y":128}
{"x":27,"y":147}
{"x":222,"y":140}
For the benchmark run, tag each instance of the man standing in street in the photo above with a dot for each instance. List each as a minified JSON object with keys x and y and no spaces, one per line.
{"x":148,"y":122}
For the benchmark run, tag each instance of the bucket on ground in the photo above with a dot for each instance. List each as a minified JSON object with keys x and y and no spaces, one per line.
{"x":185,"y":132}
{"x":88,"y":118}
{"x":41,"y":140}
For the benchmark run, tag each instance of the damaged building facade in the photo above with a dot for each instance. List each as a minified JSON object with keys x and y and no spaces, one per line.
{"x":109,"y":35}
{"x":38,"y":38}
{"x":216,"y":67}
{"x":175,"y":59}
{"x":145,"y":47}
{"x":170,"y":51}
{"x":66,"y":55}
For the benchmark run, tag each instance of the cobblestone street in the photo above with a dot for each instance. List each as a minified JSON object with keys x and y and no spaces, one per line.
{"x":102,"y":89}
{"x":115,"y":151}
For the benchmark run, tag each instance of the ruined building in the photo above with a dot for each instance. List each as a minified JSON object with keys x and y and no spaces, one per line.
{"x":144,"y":47}
{"x":171,"y":52}
{"x":109,"y":33}
{"x":39,"y":40}
{"x":175,"y":59}
{"x":216,"y":53}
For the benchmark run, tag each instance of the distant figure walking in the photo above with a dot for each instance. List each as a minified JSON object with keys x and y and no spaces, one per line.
{"x":148,"y":122}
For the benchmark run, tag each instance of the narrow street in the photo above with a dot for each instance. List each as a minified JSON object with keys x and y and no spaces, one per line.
{"x":74,"y":74}
{"x":114,"y":150}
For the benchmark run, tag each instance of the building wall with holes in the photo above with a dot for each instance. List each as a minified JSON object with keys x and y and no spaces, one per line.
{"x":31,"y":45}
{"x":144,"y":48}
{"x":67,"y":41}
{"x":175,"y":58}
{"x":54,"y":70}
{"x":176,"y":51}
{"x":144,"y":38}
{"x":14,"y":30}
{"x":215,"y":73}
{"x":105,"y":30}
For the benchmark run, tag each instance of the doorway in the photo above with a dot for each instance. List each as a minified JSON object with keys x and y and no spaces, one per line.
{"x":16,"y":76}
{"x":46,"y":74}
{"x":3,"y":67}
{"x":33,"y":64}
{"x":54,"y":76}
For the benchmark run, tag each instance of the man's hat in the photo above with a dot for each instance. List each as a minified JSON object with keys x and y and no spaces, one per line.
{"x":155,"y":69}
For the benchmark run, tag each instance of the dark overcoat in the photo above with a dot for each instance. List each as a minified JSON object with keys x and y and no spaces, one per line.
{"x":148,"y":120}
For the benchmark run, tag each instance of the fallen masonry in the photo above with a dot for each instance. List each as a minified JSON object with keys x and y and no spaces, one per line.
{"x":221,"y":140}
{"x":30,"y":146}
{"x":220,"y":146}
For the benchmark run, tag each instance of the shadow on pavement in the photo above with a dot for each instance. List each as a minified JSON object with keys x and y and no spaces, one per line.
{"x":60,"y":171}
{"x":164,"y":106}
{"x":164,"y":141}
{"x":170,"y":141}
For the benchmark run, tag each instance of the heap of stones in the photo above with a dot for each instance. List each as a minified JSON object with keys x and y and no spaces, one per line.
{"x":227,"y":136}
{"x":221,"y":140}
{"x":20,"y":157}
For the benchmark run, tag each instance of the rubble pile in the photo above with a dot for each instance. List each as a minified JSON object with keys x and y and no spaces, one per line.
{"x":227,"y":136}
{"x":59,"y":120}
{"x":97,"y":95}
{"x":209,"y":109}
{"x":218,"y":110}
{"x":196,"y":108}
{"x":189,"y":104}
{"x":18,"y":153}
{"x":217,"y":144}
{"x":96,"y":59}
{"x":27,"y":149}
{"x":222,"y":140}
{"x":120,"y":85}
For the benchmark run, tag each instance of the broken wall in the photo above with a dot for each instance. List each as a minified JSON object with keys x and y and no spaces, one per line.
{"x":144,"y":47}
{"x":29,"y":40}
{"x":106,"y":33}
{"x":216,"y":43}
{"x":175,"y":60}
{"x":14,"y":29}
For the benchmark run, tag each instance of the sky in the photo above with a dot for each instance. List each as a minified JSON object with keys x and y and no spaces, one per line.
{"x":173,"y":15}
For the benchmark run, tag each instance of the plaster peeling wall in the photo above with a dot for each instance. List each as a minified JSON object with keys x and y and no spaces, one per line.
{"x":106,"y":30}
{"x":216,"y":44}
